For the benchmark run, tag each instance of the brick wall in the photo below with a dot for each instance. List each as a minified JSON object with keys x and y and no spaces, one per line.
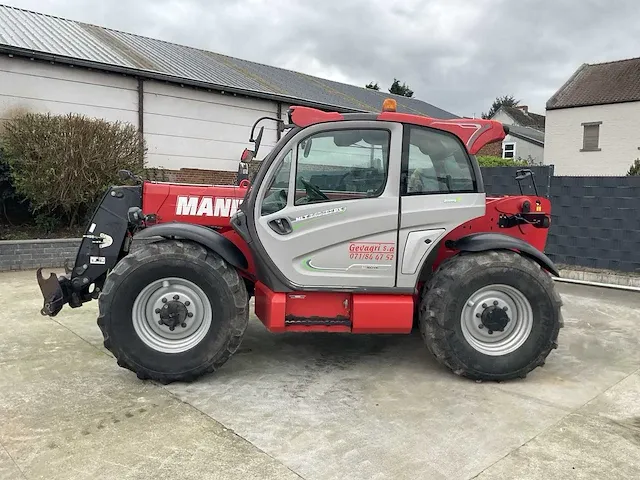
{"x":194,"y":175}
{"x":492,"y":149}
{"x":30,"y":254}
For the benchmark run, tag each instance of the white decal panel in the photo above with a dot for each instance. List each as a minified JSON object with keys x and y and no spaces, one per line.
{"x":194,"y":206}
{"x":97,"y":260}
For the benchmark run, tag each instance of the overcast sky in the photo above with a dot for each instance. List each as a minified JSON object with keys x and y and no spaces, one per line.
{"x":456,"y":54}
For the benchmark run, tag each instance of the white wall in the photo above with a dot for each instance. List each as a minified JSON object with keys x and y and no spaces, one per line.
{"x":525,"y":149}
{"x":619,"y":139}
{"x":184,"y":127}
{"x":188,"y":128}
{"x":42,"y":87}
{"x":502,"y":117}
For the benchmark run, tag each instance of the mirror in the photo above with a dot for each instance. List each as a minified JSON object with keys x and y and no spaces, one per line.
{"x":307,"y":147}
{"x":257,"y":142}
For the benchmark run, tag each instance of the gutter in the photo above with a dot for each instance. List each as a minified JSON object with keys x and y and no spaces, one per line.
{"x":138,"y":73}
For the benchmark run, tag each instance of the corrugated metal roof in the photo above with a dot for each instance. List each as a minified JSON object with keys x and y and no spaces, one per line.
{"x":40,"y":35}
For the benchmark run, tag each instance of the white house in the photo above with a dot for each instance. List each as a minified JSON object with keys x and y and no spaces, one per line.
{"x":195,"y":108}
{"x":592,"y":120}
{"x":526,"y":136}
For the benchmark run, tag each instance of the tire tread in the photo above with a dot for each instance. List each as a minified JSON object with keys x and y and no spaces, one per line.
{"x":432,"y":307}
{"x":230,"y":276}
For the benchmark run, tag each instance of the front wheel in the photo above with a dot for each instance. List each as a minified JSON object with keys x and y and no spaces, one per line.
{"x":490,"y":315}
{"x":173,"y":311}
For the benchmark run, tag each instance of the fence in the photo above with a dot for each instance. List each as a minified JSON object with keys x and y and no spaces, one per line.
{"x":595,"y":221}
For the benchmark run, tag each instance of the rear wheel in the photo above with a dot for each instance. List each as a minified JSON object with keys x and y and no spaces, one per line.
{"x":490,"y":315}
{"x":173,"y":311}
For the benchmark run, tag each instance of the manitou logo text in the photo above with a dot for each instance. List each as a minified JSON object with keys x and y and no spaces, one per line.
{"x":207,"y":206}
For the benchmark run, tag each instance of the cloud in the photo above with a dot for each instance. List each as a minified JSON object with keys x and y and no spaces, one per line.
{"x":456,"y":54}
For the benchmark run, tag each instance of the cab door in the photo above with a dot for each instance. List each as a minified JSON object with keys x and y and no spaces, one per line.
{"x":441,"y":190}
{"x":325,"y":212}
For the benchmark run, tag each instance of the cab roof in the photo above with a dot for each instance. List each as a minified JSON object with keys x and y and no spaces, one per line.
{"x":474,"y":133}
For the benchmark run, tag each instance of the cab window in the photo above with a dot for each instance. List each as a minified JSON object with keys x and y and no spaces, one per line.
{"x":275,"y":195}
{"x":341,"y":165}
{"x":437,"y":163}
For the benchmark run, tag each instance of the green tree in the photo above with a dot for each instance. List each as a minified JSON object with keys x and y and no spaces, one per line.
{"x":398,"y":89}
{"x":506,"y":101}
{"x":372,"y":86}
{"x":635,"y":168}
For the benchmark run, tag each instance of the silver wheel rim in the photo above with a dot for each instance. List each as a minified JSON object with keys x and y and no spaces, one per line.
{"x":147,"y":320}
{"x":520,"y":320}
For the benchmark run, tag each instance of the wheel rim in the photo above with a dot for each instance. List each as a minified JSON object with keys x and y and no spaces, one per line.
{"x":502,"y":310}
{"x":171,"y":302}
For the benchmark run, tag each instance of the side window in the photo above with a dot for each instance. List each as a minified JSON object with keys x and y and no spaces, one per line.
{"x":437,"y":163}
{"x":275,"y":195}
{"x":342,"y":165}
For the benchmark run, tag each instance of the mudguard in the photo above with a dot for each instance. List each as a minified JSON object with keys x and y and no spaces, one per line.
{"x":480,"y":242}
{"x":203,"y":235}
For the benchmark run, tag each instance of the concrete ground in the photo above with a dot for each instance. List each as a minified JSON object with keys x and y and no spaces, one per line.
{"x":317,"y":406}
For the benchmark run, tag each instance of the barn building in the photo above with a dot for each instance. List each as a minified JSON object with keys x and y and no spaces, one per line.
{"x":195,"y":108}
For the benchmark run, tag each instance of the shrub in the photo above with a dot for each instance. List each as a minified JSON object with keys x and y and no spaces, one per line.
{"x":63,"y":163}
{"x":635,"y":168}
{"x":491,"y":161}
{"x":7,"y":191}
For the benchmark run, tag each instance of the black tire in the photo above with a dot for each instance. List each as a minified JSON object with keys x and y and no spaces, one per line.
{"x":446,"y":294}
{"x":224,"y":288}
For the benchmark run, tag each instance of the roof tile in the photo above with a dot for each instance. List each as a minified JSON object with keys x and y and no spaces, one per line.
{"x":600,"y":84}
{"x":528,"y":119}
{"x":106,"y":48}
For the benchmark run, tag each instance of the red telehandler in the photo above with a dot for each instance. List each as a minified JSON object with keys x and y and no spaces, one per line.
{"x":363,"y":223}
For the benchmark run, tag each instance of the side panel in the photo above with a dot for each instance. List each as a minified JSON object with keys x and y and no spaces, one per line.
{"x":419,"y":244}
{"x":334,"y":312}
{"x":345,"y":243}
{"x":431,"y":216}
{"x":382,"y":313}
{"x":200,"y":204}
{"x":270,"y":308}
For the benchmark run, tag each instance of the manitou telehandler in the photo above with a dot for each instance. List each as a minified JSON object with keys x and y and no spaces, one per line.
{"x":361,"y":223}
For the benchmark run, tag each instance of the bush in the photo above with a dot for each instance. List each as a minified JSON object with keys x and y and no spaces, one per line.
{"x":64,"y":163}
{"x":491,"y":161}
{"x":635,"y":168}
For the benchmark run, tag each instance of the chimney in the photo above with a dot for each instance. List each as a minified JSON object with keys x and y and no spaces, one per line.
{"x":524,"y":108}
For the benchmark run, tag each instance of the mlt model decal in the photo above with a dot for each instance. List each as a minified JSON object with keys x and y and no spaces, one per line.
{"x":207,"y":206}
{"x":312,"y":216}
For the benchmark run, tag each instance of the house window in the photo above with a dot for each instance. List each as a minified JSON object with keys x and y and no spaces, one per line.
{"x":508,"y":150}
{"x":591,"y":137}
